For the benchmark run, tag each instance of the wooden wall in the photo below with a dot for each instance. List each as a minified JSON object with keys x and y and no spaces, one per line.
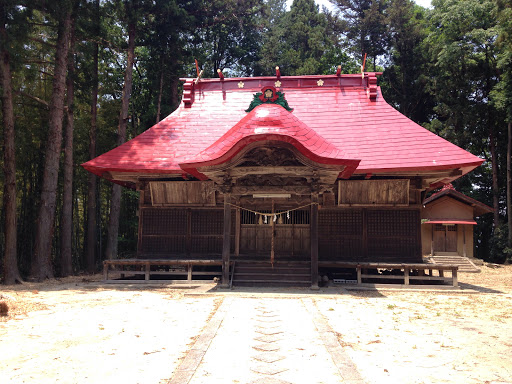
{"x":373,"y":222}
{"x":164,"y":193}
{"x":373,"y":192}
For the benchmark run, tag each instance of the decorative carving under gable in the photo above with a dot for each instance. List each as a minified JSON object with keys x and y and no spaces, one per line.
{"x":270,"y":156}
{"x":273,"y":163}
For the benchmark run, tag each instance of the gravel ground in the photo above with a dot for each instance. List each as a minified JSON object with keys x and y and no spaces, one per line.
{"x":78,"y":330}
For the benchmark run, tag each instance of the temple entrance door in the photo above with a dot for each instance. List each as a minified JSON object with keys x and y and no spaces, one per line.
{"x":445,"y":238}
{"x":290,"y":235}
{"x":451,"y":238}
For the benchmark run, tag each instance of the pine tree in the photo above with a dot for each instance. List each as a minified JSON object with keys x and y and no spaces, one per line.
{"x":43,"y":267}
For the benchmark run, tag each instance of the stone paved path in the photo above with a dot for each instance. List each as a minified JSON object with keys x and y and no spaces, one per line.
{"x":267,"y":341}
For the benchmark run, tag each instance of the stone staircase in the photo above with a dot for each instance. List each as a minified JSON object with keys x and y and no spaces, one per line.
{"x":452,"y":258}
{"x":263,"y":273}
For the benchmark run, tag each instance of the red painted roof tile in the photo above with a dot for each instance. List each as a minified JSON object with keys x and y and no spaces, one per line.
{"x":270,"y":122}
{"x":338,"y":114}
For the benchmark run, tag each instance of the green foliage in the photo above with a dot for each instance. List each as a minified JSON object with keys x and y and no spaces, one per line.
{"x":303,"y":41}
{"x":404,"y":82}
{"x":499,"y":252}
{"x":448,"y":68}
{"x":365,"y":27}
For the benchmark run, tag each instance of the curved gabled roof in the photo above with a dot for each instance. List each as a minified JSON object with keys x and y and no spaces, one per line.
{"x":336,"y":108}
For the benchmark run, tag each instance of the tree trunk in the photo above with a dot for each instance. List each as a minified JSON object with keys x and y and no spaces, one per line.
{"x":495,"y":186}
{"x":115,"y":204}
{"x":66,"y":262}
{"x":11,"y":272}
{"x":160,"y":91}
{"x":509,"y":183}
{"x":46,"y":215}
{"x":90,"y":258}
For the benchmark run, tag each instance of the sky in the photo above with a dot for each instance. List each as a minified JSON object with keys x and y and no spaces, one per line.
{"x":424,"y":3}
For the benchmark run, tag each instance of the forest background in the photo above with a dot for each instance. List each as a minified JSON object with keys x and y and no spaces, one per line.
{"x":79,"y":77}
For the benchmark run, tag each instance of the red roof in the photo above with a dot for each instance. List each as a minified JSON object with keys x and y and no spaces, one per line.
{"x":271,"y":122}
{"x":450,"y":222}
{"x":450,"y":191}
{"x":341,"y":115}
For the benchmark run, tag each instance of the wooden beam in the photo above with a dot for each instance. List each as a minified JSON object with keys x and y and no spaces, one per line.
{"x":295,"y":190}
{"x":226,"y":244}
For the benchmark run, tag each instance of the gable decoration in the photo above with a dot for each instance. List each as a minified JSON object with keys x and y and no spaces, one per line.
{"x":270,"y":95}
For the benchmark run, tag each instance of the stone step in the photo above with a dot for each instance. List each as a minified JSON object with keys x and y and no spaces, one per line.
{"x":270,"y":283}
{"x":264,"y":273}
{"x":464,"y":264}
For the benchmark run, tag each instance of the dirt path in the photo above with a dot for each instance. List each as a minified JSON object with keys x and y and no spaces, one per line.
{"x":76,"y":331}
{"x":267,"y":340}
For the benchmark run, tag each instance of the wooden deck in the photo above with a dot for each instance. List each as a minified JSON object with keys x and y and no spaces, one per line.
{"x":128,"y":270}
{"x":402,"y":272}
{"x":205,"y":270}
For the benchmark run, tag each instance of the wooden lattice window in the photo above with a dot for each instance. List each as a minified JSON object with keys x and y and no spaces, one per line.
{"x":340,"y":234}
{"x":183,"y":231}
{"x":164,"y":221}
{"x":391,"y":223}
{"x":393,"y":235}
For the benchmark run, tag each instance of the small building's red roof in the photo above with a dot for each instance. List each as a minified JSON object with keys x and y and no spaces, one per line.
{"x":346,"y":113}
{"x":449,"y":222}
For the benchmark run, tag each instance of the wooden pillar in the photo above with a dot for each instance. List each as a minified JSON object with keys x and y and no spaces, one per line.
{"x":237,"y":232}
{"x":189,"y":272}
{"x":226,"y":244}
{"x":406,"y":275}
{"x":432,"y":228}
{"x":464,"y":253}
{"x":314,"y":240}
{"x":273,"y":235}
{"x":146,"y":271}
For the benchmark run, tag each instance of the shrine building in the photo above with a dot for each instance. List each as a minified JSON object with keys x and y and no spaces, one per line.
{"x":281,"y":179}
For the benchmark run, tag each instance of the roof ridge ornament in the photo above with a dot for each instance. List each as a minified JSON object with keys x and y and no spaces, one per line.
{"x":188,"y":92}
{"x":269,"y":95}
{"x":371,"y":90}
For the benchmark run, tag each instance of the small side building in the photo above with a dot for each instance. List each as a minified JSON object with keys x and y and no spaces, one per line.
{"x":448,"y":218}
